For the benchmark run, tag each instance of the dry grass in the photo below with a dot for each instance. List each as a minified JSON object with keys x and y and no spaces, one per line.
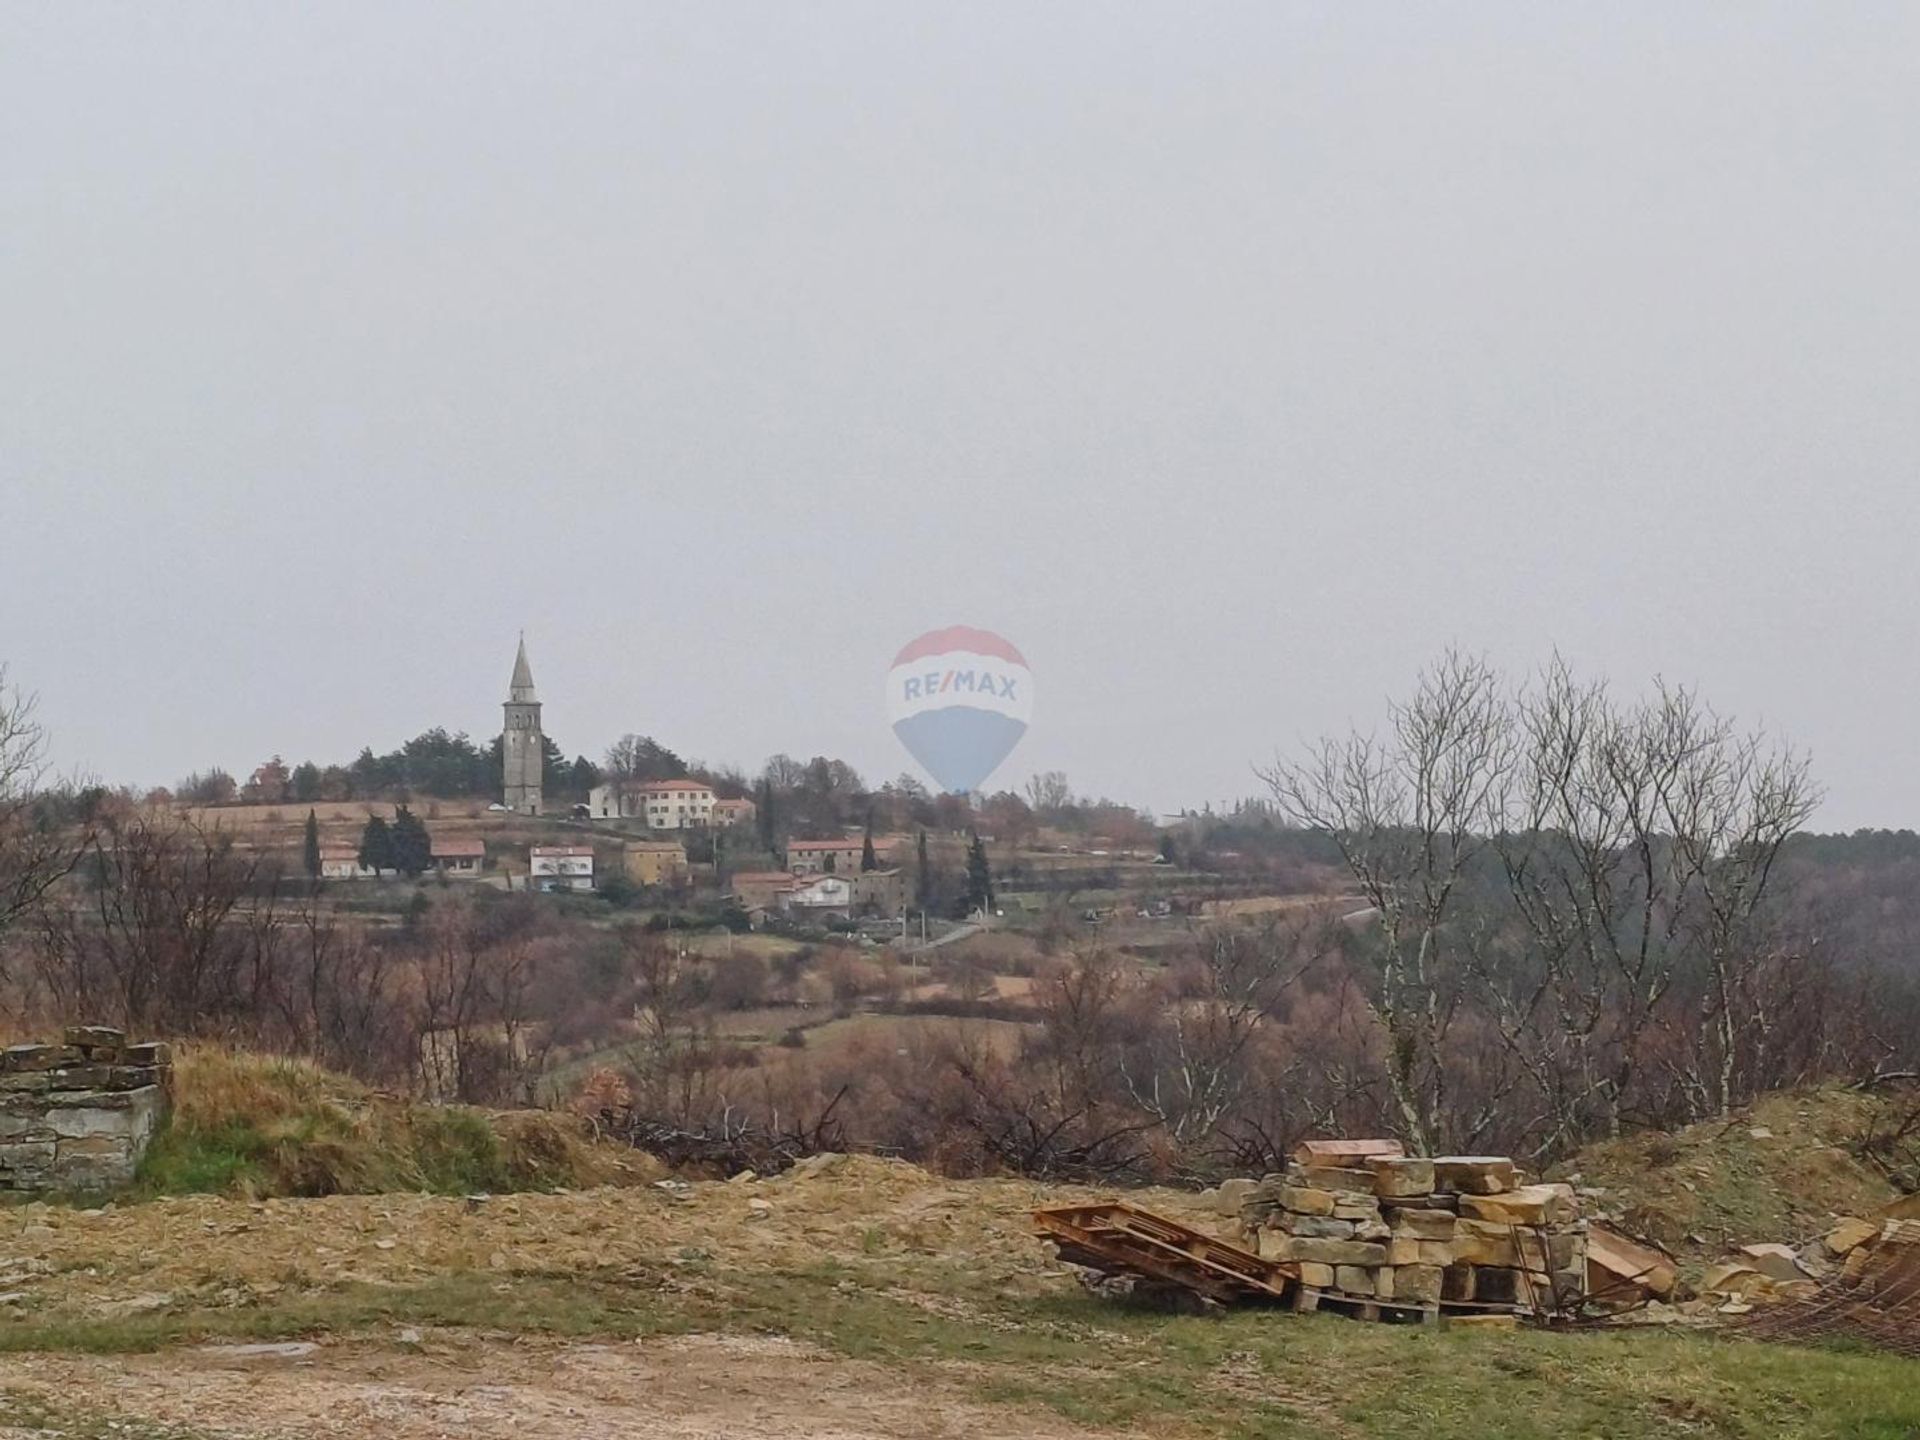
{"x":259,"y":1126}
{"x":1779,"y":1170}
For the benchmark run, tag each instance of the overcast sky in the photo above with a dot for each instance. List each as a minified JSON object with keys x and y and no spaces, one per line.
{"x":1230,"y":360}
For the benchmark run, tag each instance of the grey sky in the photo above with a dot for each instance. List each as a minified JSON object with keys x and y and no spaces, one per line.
{"x":1231,"y":360}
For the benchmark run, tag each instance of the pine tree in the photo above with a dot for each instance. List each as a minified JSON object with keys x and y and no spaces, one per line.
{"x":411,"y":844}
{"x":376,"y":845}
{"x":868,"y":860}
{"x":311,"y":849}
{"x":979,"y":877}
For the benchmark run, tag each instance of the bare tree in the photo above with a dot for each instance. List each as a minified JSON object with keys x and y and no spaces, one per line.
{"x":1409,"y":814}
{"x":37,"y":850}
{"x":148,"y":941}
{"x":1196,"y":1063}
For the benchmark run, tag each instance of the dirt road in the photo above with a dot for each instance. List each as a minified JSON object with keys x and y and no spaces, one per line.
{"x":451,"y":1385}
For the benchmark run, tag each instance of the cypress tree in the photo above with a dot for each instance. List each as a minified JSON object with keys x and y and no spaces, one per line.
{"x":376,"y":845}
{"x":412,"y":845}
{"x":868,"y":861}
{"x":923,"y":881}
{"x":979,"y":877}
{"x":311,"y":849}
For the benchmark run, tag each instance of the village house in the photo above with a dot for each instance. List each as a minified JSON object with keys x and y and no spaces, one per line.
{"x":661,"y":804}
{"x":821,"y":897}
{"x":654,"y":862}
{"x":879,"y":892}
{"x":561,"y":867}
{"x":763,"y":890}
{"x":728,"y":813}
{"x":812,"y":857}
{"x":342,"y":862}
{"x":461,"y":858}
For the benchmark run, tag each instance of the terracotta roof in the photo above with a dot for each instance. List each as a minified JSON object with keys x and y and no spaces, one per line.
{"x":655,"y":847}
{"x":733,"y":804}
{"x":765,"y":877}
{"x":855,"y":844}
{"x":458,"y":849}
{"x":673,"y":785}
{"x":339,"y":852}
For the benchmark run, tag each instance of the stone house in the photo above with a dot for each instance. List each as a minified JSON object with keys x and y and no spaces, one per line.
{"x":461,"y":858}
{"x":654,"y":862}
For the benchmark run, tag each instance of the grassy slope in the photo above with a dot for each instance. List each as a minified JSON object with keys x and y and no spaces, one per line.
{"x":1717,"y":1182}
{"x":1100,"y":1363}
{"x":258,"y":1126}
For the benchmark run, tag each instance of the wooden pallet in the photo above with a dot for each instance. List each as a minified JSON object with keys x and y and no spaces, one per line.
{"x":1120,"y":1239}
{"x":1359,"y":1307}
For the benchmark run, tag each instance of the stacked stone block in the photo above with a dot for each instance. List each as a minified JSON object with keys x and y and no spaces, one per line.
{"x":78,"y":1115}
{"x":1364,"y":1222}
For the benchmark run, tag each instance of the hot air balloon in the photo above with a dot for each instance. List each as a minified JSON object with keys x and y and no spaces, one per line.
{"x":959,"y":700}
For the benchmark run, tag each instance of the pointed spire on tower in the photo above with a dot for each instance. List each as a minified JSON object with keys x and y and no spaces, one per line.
{"x":520,"y":688}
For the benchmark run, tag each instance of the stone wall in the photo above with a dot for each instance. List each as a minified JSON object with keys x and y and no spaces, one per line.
{"x":78,"y":1115}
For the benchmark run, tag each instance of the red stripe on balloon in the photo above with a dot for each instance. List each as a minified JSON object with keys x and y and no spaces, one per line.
{"x":959,"y":637}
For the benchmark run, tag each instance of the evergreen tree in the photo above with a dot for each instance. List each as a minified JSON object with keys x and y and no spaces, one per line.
{"x":979,"y":877}
{"x":376,"y":845}
{"x":310,"y":851}
{"x":868,"y":861}
{"x":764,"y":814}
{"x":923,"y":881}
{"x":410,"y":843}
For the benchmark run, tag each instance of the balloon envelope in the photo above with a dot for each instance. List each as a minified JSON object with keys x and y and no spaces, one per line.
{"x":959,"y":700}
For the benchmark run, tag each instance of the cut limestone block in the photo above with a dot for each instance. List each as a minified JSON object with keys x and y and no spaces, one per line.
{"x":1732,"y":1277}
{"x":1422,"y":1283}
{"x":1474,"y":1174}
{"x":1342,"y":1152}
{"x":1479,"y":1243}
{"x":104,"y":1037}
{"x":1356,"y":1208}
{"x":1313,"y":1273}
{"x":1618,"y":1266}
{"x":1525,"y":1205}
{"x":1423,"y":1224}
{"x":1398,"y":1176}
{"x":1776,"y":1262}
{"x":1318,"y":1227}
{"x":1383,"y":1282}
{"x":1231,"y":1195}
{"x":1333,"y":1177}
{"x":149,"y":1052}
{"x":1354,"y":1279}
{"x":1335,"y":1252}
{"x":1304,"y":1200}
{"x":1850,"y":1234}
{"x":1403,"y":1250}
{"x":41,"y":1057}
{"x":1436,"y":1252}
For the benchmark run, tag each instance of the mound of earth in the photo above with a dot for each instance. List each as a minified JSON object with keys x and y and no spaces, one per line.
{"x":1781,"y":1170}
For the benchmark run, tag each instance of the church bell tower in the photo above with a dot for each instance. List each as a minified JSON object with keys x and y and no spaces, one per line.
{"x":523,"y":746}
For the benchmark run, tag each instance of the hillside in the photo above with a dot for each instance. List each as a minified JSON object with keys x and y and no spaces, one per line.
{"x":851,"y":1298}
{"x":1782,"y":1169}
{"x":854,"y":1298}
